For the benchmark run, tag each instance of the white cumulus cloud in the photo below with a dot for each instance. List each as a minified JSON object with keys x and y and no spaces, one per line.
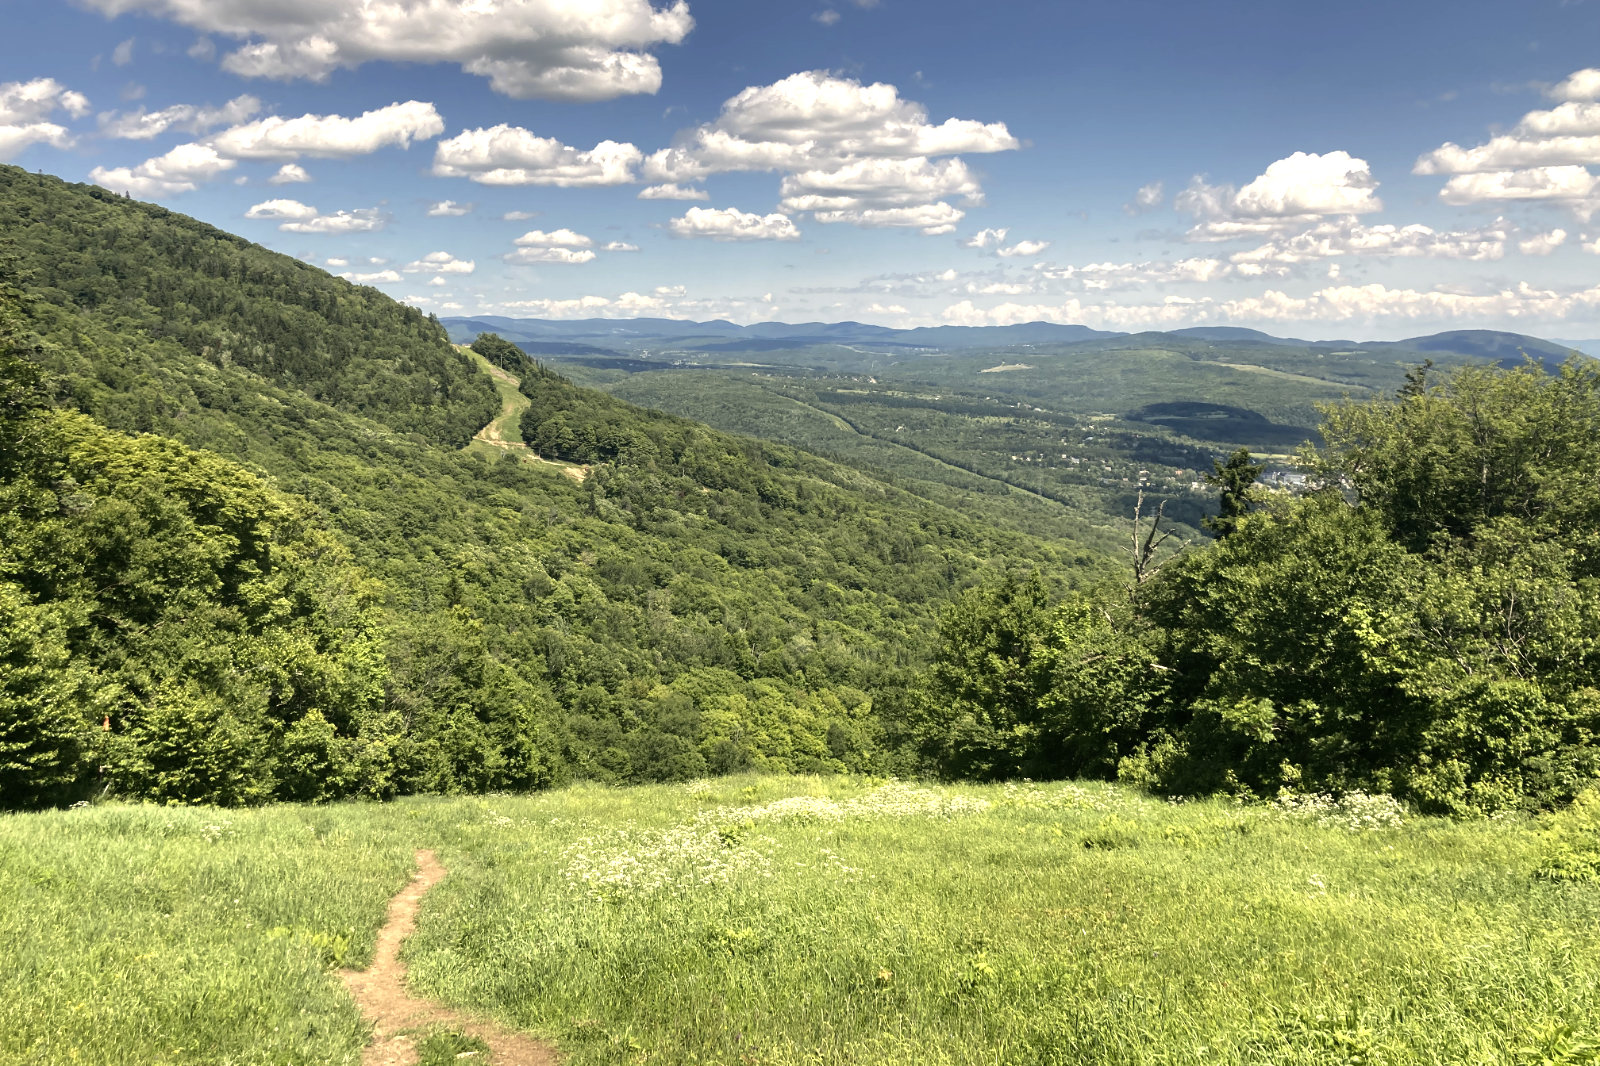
{"x":1096,"y":277}
{"x":556,"y":246}
{"x":849,"y":152}
{"x":1023,"y":248}
{"x":29,"y":101}
{"x":665,"y":302}
{"x":1146,"y":198}
{"x":24,"y":108}
{"x":879,"y":183}
{"x":813,"y":119}
{"x":449,"y":209}
{"x":1299,"y":188}
{"x":672,"y":191}
{"x":324,"y":136}
{"x":570,"y":256}
{"x":1309,"y":184}
{"x":331,"y":136}
{"x":290,"y":174}
{"x":731,"y":224}
{"x":1374,"y":304}
{"x":440,"y":263}
{"x":1545,"y":156}
{"x":360,"y":220}
{"x":1515,"y":151}
{"x":932,"y":219}
{"x":561,"y":238}
{"x":986,"y":239}
{"x":556,"y":49}
{"x":511,"y":155}
{"x":1580,"y":85}
{"x":1572,"y":186}
{"x":993,"y":240}
{"x":144,"y":125}
{"x":1341,"y":237}
{"x":1377,"y":302}
{"x":381,"y":276}
{"x":1543,"y":243}
{"x":282,"y":210}
{"x":179,"y":170}
{"x":619,"y":246}
{"x":296,"y":217}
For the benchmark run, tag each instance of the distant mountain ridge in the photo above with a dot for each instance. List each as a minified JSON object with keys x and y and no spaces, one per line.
{"x":720,"y":335}
{"x":794,"y":334}
{"x":1588,"y":347}
{"x":1506,"y":348}
{"x":1235,"y":334}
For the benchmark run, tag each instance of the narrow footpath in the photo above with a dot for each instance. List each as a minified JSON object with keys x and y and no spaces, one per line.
{"x":398,"y":1017}
{"x":504,"y":431}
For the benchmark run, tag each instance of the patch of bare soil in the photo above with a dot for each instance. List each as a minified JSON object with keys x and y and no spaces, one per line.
{"x":398,"y":1017}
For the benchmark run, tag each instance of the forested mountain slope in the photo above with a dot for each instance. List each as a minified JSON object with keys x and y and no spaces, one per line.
{"x":106,"y":268}
{"x":701,"y":602}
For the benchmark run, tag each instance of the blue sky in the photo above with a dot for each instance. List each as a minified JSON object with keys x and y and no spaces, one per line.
{"x":1362,"y":170}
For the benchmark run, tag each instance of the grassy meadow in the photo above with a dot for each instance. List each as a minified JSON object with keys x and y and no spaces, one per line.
{"x":793,"y":920}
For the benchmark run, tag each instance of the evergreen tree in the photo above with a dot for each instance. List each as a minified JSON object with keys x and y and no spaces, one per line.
{"x":1235,"y":477}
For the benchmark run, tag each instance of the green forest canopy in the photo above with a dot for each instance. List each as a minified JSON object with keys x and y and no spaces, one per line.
{"x":702,"y":602}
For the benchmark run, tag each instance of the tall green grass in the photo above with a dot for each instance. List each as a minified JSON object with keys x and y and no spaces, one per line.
{"x":162,"y":935}
{"x":799,"y":920}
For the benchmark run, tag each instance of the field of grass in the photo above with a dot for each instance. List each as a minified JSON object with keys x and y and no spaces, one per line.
{"x":767,"y":920}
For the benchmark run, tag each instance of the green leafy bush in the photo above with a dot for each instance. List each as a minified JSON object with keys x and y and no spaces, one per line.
{"x":1571,"y":849}
{"x":1426,"y":623}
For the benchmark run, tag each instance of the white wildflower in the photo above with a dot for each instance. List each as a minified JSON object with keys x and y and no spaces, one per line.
{"x":1354,"y":811}
{"x":641,"y":862}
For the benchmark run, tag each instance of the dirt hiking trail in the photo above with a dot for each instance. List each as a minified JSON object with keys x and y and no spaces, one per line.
{"x":504,"y":425}
{"x":398,"y":1017}
{"x":504,"y":433}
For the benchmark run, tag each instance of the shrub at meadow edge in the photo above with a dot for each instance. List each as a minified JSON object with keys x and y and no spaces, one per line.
{"x":1425,"y":623}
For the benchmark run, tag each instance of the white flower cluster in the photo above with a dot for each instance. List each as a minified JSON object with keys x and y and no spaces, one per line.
{"x":1355,"y":811}
{"x":897,"y":799}
{"x":828,"y":862}
{"x":1029,"y":796}
{"x":710,"y":851}
{"x":641,"y":862}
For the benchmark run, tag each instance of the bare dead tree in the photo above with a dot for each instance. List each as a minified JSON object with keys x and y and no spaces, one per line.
{"x":1147,"y":542}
